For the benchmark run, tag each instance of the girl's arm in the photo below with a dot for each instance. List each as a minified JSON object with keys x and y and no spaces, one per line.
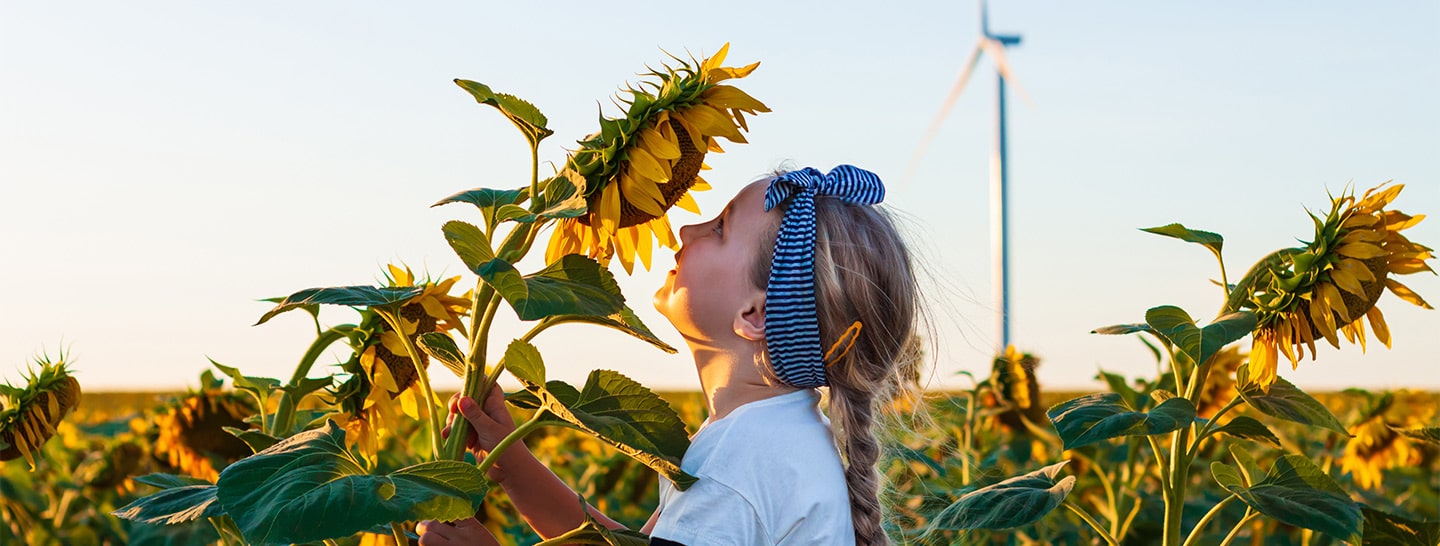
{"x":545,"y":501}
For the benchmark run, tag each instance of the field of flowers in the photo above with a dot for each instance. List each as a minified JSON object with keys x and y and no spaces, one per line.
{"x":112,"y":439}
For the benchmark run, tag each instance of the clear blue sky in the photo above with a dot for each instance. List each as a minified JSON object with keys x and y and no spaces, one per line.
{"x":164,"y":166}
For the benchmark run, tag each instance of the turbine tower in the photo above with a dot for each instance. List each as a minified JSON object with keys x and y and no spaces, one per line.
{"x":994,"y":46}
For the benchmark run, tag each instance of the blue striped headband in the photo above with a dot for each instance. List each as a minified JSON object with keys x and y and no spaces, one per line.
{"x":792,"y":328}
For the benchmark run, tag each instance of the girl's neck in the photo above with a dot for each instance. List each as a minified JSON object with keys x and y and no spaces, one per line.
{"x":731,"y":378}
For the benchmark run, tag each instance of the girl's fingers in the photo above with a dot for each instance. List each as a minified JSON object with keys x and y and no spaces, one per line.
{"x":434,"y":532}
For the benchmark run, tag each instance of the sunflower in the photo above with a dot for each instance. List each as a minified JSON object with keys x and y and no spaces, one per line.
{"x":1331,"y":285}
{"x":641,"y":164}
{"x":434,"y":310}
{"x":1375,"y":446}
{"x":30,"y":414}
{"x":1220,"y":384}
{"x":192,"y":436}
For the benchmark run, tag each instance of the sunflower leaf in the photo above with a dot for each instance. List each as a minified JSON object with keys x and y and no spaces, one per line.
{"x":173,"y":505}
{"x":1424,"y":434}
{"x":1199,"y":344}
{"x":1212,"y":241}
{"x":619,"y":412}
{"x":441,"y":347}
{"x":289,"y":492}
{"x":1285,"y":401}
{"x":524,"y":115}
{"x":469,"y":243}
{"x":1102,"y":416}
{"x":1383,"y":528}
{"x":1012,"y":503}
{"x":485,"y":198}
{"x":1249,"y":429}
{"x":1297,"y":492}
{"x":257,"y":440}
{"x":353,"y":296}
{"x":524,"y":362}
{"x":624,"y":321}
{"x":572,"y":285}
{"x":1122,"y":329}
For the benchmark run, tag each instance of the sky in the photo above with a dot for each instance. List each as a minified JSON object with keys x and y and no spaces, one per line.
{"x":165,"y":166}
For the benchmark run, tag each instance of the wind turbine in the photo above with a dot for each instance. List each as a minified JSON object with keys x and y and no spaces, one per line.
{"x":994,"y":46}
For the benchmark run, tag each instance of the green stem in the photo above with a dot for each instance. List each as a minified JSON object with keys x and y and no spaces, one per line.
{"x":1090,"y":521}
{"x":424,"y":379}
{"x":1210,"y":428}
{"x":514,"y":436}
{"x":1110,"y":498}
{"x":1224,"y":281}
{"x":285,"y":408}
{"x":1160,"y":464}
{"x":1195,"y":532}
{"x":454,"y":448}
{"x":1249,"y":515}
{"x":1179,"y":479}
{"x":535,"y":177}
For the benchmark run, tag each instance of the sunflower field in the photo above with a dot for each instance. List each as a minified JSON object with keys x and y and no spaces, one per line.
{"x":1217,"y":448}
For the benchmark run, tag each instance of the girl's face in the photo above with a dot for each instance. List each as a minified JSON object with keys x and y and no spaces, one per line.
{"x":710,"y":288}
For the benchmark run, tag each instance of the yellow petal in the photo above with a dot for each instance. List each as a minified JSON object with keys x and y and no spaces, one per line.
{"x":1405,"y":293}
{"x":1363,"y":251}
{"x":1377,"y":323}
{"x":1284,"y":333}
{"x":1357,"y":269}
{"x":686,"y":202}
{"x":401,"y":276}
{"x":1396,"y":220}
{"x":643,"y":243}
{"x":625,"y":248}
{"x":1407,"y":267}
{"x":1359,"y":221}
{"x":726,"y":96}
{"x":653,"y":141}
{"x":739,"y":119}
{"x":1324,"y":320}
{"x":1377,"y":200}
{"x":711,"y":122}
{"x":1347,"y":282}
{"x":1363,"y":236}
{"x":1262,"y":363}
{"x":1332,"y":298}
{"x":725,"y":72}
{"x":663,"y":234}
{"x":643,"y":194}
{"x":697,"y":138}
{"x":1359,"y":327}
{"x":712,"y":145}
{"x":700,"y":185}
{"x":1305,"y":332}
{"x":609,"y":211}
{"x":645,"y":165}
{"x":715,"y":60}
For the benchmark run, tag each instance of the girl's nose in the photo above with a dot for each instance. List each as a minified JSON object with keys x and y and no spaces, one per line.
{"x":687,"y":232}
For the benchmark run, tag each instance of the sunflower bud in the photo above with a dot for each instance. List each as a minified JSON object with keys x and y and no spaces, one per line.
{"x":31,"y":413}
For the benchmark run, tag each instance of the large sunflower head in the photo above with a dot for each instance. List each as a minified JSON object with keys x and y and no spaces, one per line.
{"x":641,"y":164}
{"x":1331,"y":285}
{"x":1375,"y":445}
{"x":191,"y":429}
{"x":29,"y":415}
{"x":1016,"y":389}
{"x":1220,"y":384}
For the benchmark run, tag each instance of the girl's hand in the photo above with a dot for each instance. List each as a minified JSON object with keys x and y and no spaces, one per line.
{"x":491,"y":423}
{"x":467,"y":532}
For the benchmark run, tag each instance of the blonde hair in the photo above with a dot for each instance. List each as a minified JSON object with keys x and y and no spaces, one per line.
{"x":863,"y":272}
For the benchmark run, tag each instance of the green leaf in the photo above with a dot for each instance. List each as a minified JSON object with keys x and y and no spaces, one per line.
{"x":572,"y":285}
{"x":1286,"y":401}
{"x":1199,"y":344}
{"x":1424,"y":434}
{"x":524,"y":115}
{"x":624,"y":321}
{"x":1388,"y":529}
{"x":173,"y":505}
{"x":168,"y":481}
{"x":1102,"y":416}
{"x":1119,"y":385}
{"x":1249,"y":429}
{"x":1298,"y":493}
{"x":624,"y":414}
{"x":353,"y":296}
{"x":1012,"y":503}
{"x":524,"y":362}
{"x":258,"y":441}
{"x":1212,"y":241}
{"x":309,"y":487}
{"x":591,"y":532}
{"x":441,"y":347}
{"x":514,"y":213}
{"x":1228,"y":477}
{"x":308,"y":385}
{"x":1122,"y":329}
{"x":485,"y":198}
{"x":470,"y":243}
{"x":1251,"y":469}
{"x":564,"y":196}
{"x":261,"y":386}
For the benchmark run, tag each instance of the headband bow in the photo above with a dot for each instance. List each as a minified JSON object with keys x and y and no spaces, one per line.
{"x":792,"y":328}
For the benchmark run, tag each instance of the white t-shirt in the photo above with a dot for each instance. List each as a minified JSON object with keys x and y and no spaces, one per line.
{"x":769,"y":473}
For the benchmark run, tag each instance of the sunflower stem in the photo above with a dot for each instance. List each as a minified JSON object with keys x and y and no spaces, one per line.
{"x":534,"y":177}
{"x":454,"y":449}
{"x":1090,"y":520}
{"x":514,"y":436}
{"x":285,"y":408}
{"x":427,"y":393}
{"x":1209,"y":428}
{"x":1249,"y":515}
{"x":1195,"y":532}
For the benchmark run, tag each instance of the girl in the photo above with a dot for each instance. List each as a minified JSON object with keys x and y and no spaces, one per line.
{"x":795,"y":264}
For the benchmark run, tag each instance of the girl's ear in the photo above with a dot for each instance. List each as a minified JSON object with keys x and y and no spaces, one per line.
{"x":750,"y":321}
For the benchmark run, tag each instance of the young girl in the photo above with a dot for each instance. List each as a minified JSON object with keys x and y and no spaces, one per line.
{"x":800,"y":283}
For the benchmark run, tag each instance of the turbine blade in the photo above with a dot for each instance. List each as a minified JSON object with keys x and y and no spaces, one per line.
{"x":945,"y":108}
{"x":997,"y":52}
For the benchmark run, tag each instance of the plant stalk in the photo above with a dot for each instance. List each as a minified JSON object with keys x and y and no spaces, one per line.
{"x":424,"y":380}
{"x":514,"y":436}
{"x":1249,"y":515}
{"x":1214,"y":511}
{"x":1091,"y":522}
{"x":285,"y":409}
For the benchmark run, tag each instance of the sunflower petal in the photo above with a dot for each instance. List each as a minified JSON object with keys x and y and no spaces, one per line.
{"x":625,"y":249}
{"x":1405,"y":293}
{"x":609,"y":211}
{"x":655,"y":142}
{"x":643,"y":243}
{"x":687,"y":202}
{"x":1356,"y":269}
{"x":1359,"y":221}
{"x":1324,"y":320}
{"x":1262,"y":363}
{"x":643,"y":194}
{"x":1396,"y":220}
{"x":663,"y":233}
{"x":1363,"y":236}
{"x":1347,"y":281}
{"x":644,"y":164}
{"x":715,"y":60}
{"x":726,"y":96}
{"x":1363,"y":251}
{"x":712,"y":122}
{"x":1378,"y":325}
{"x":1407,"y":267}
{"x":1372,"y":201}
{"x":1359,"y":327}
{"x":1332,"y":298}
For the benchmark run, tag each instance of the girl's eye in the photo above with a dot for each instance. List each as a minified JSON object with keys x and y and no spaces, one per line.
{"x":720,"y":226}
